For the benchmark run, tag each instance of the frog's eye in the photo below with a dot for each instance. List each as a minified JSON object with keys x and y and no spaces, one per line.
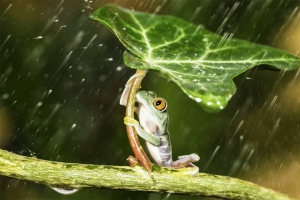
{"x":160,"y":104}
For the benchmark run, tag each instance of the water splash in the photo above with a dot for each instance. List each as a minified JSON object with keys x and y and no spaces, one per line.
{"x":65,"y":191}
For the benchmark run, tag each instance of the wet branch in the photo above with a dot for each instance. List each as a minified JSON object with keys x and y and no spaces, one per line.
{"x":73,"y":175}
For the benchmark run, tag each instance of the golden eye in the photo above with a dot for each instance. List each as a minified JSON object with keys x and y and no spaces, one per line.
{"x":160,"y":104}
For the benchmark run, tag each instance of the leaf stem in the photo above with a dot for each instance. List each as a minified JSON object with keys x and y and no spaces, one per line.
{"x":131,"y":133}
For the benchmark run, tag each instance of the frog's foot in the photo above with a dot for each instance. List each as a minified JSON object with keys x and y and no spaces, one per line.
{"x":124,"y":96}
{"x":186,"y":161}
{"x":129,"y":121}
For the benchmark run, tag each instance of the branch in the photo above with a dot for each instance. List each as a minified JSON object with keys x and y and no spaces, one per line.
{"x":72,"y":175}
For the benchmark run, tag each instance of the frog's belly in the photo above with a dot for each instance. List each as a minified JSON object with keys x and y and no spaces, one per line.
{"x":155,"y":153}
{"x":161,"y":155}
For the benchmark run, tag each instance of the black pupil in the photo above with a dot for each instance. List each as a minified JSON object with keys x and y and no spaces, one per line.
{"x":158,"y":103}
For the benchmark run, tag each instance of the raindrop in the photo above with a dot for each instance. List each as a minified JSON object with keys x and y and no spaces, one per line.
{"x":167,"y":196}
{"x":119,"y":68}
{"x":241,"y":137}
{"x":26,"y":151}
{"x":73,"y":126}
{"x":102,"y":78}
{"x":49,"y":92}
{"x":110,"y":59}
{"x":38,"y":37}
{"x":6,"y":10}
{"x":5,"y":96}
{"x":65,"y":191}
{"x":79,"y":67}
{"x":209,"y":103}
{"x":7,"y":38}
{"x":198,"y":99}
{"x":76,"y":41}
{"x":212,"y":156}
{"x":82,"y":80}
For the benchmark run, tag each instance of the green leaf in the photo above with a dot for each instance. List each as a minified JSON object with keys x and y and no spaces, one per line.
{"x":200,"y":62}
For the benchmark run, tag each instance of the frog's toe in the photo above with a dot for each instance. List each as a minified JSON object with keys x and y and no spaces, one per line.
{"x":193,"y":170}
{"x":129,"y":121}
{"x":192,"y":157}
{"x":195,"y":157}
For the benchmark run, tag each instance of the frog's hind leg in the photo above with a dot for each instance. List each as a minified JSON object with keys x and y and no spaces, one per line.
{"x":186,"y":161}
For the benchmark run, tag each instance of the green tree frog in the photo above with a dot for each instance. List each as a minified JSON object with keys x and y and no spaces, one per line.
{"x":153,"y":128}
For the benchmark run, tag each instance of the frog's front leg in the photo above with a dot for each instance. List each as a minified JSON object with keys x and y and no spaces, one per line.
{"x":186,"y":161}
{"x":151,"y":138}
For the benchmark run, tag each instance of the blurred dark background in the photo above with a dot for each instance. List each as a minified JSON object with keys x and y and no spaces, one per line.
{"x":61,"y":76}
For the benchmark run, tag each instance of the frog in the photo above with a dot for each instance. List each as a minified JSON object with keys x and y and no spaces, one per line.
{"x":153,"y":128}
